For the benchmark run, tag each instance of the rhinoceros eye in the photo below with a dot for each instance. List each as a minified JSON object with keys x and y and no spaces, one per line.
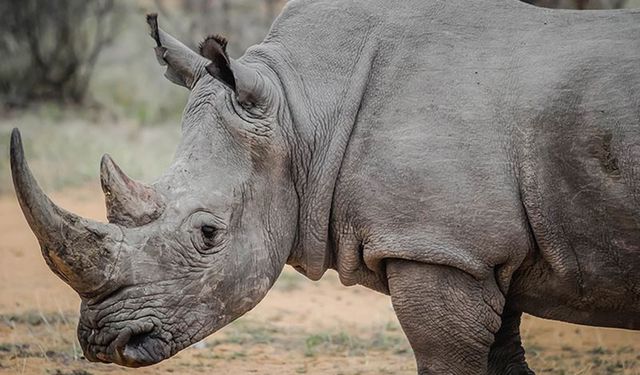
{"x":209,"y":233}
{"x":206,"y":231}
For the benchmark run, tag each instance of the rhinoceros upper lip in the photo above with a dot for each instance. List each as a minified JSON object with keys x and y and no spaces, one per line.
{"x":141,"y":350}
{"x":136,"y":345}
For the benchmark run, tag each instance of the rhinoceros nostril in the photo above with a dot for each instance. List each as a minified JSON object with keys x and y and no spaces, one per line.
{"x":137,"y":341}
{"x":139,"y":347}
{"x":141,"y":350}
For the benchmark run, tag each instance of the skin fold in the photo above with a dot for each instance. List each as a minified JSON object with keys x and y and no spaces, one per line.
{"x":473,"y":160}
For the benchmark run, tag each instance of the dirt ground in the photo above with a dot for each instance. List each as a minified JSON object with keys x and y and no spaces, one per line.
{"x":301,"y":327}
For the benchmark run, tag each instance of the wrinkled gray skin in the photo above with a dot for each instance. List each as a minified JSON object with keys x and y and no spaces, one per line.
{"x":473,"y":159}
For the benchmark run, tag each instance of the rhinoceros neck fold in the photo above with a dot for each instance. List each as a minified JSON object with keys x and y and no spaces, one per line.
{"x":323,"y":108}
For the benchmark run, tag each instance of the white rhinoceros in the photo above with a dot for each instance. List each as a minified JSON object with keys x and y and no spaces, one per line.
{"x":472,"y":159}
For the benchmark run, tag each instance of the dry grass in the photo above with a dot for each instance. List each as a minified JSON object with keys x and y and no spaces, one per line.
{"x":271,"y":340}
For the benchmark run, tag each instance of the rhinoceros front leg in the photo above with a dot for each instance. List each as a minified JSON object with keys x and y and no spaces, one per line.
{"x":449,"y":317}
{"x":506,"y":356}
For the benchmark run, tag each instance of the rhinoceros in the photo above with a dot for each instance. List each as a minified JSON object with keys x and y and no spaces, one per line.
{"x":474,"y":160}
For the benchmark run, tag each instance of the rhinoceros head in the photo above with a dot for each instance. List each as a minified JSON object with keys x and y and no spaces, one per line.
{"x":184,"y":256}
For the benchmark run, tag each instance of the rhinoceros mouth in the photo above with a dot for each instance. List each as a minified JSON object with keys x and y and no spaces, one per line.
{"x":142,"y":349}
{"x":136,"y":345}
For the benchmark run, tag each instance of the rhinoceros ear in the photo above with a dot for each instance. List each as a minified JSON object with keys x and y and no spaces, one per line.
{"x":214,"y":48}
{"x":244,"y":81}
{"x":184,"y":66}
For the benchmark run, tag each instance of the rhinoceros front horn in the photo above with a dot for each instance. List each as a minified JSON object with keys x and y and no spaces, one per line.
{"x":129,"y":203}
{"x":81,"y":252}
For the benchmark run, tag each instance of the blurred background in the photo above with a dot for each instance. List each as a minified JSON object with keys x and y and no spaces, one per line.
{"x":79,"y":78}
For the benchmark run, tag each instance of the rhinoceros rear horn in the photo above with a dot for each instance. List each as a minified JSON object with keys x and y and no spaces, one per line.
{"x":184,"y":66}
{"x":129,"y":203}
{"x":78,"y":250}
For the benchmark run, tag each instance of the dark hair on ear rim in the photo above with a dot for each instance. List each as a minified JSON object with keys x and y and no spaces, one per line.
{"x":152,"y":21}
{"x":210,"y":45}
{"x":214,"y":48}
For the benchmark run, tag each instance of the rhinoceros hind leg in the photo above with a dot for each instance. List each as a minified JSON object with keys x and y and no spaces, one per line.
{"x":449,"y":317}
{"x":506,"y":356}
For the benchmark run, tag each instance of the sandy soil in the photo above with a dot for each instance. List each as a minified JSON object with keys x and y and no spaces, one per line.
{"x":301,"y":327}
